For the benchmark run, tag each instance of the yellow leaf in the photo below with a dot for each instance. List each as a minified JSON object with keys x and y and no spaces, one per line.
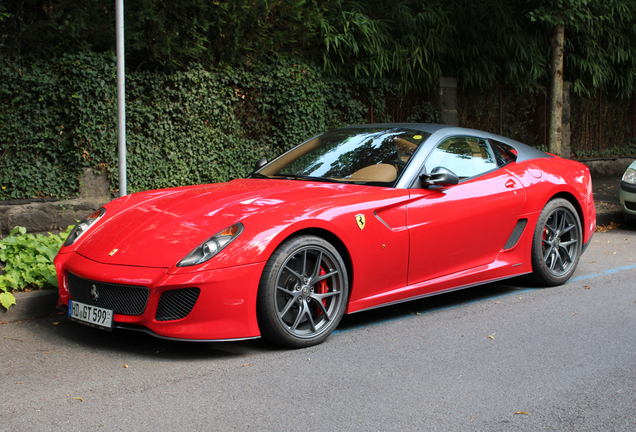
{"x":79,"y":399}
{"x":522,"y":412}
{"x":126,"y":366}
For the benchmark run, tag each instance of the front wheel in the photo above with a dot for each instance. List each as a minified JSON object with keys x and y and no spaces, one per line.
{"x":557,"y":242}
{"x":303,"y":292}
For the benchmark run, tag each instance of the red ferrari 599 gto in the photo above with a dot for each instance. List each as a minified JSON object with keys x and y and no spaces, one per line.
{"x":353,"y":219}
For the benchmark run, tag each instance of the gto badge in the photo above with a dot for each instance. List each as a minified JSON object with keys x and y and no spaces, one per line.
{"x":113,"y":252}
{"x":94,"y":292}
{"x":361,"y":221}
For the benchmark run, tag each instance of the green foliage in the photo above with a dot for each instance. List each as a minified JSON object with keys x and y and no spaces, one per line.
{"x":163,"y":35}
{"x":627,"y":150}
{"x":188,"y":127}
{"x":599,"y":50}
{"x":405,"y":40}
{"x":481,"y":42}
{"x":28,"y":262}
{"x":52,"y":117}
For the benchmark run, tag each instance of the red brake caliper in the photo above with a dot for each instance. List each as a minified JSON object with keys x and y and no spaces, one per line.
{"x":321,"y":288}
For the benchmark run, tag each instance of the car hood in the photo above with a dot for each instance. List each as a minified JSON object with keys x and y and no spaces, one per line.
{"x":159,"y":228}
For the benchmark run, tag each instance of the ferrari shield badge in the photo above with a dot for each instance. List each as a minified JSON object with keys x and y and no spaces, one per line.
{"x":361,"y":221}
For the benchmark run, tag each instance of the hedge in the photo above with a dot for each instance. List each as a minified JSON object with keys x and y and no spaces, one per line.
{"x":189,"y":127}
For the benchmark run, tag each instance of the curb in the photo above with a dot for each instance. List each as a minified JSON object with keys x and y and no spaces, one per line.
{"x":607,"y":218}
{"x":31,"y":304}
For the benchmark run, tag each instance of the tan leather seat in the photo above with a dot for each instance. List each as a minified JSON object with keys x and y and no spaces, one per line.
{"x":377,"y":173}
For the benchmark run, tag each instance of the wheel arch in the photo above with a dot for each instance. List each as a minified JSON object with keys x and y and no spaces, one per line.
{"x":577,"y":206}
{"x":335,"y":242}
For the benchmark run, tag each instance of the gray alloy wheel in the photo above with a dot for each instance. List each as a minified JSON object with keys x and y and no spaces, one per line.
{"x":557,"y":242}
{"x":303,"y":292}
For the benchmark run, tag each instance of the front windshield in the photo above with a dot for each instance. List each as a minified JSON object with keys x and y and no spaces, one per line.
{"x":357,"y":155}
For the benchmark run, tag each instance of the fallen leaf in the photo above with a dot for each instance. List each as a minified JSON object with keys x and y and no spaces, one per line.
{"x":522,"y":412}
{"x":246,"y":364}
{"x":586,"y":287}
{"x":492,"y":336}
{"x":591,"y":262}
{"x":496,"y":302}
{"x":126,"y":366}
{"x":79,"y":399}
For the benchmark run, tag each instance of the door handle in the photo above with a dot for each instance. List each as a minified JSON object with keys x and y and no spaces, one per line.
{"x":510,"y":184}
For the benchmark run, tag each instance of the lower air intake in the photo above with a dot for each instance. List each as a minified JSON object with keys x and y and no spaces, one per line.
{"x":176,"y":304}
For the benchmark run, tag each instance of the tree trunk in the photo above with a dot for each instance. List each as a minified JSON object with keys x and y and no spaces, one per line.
{"x":555,"y":135}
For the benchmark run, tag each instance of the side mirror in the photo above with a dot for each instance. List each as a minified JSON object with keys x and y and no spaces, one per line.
{"x":439,"y":176}
{"x":260,"y":163}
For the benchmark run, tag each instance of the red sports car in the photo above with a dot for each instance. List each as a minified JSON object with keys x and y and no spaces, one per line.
{"x":353,"y":219}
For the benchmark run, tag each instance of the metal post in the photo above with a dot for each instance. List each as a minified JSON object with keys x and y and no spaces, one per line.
{"x":121,"y":96}
{"x":500,"y":109}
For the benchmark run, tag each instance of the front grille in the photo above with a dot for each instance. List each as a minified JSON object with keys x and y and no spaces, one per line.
{"x":122,"y":299}
{"x":176,"y":304}
{"x":630,"y":205}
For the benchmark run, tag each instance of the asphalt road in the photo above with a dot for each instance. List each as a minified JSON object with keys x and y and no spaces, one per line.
{"x":501,"y":357}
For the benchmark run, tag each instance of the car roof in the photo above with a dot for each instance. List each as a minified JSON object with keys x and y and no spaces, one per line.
{"x":439,"y":132}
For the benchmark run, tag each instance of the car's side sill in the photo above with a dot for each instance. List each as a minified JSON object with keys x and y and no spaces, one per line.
{"x":421,"y":296}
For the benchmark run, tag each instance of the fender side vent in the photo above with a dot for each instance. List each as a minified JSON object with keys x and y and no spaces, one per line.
{"x":516,"y":234}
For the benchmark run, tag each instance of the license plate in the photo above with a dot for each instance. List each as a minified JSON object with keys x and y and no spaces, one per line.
{"x":91,"y":315}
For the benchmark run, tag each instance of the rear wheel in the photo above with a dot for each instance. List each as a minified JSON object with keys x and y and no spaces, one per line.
{"x":303,"y":292}
{"x":556,"y":245}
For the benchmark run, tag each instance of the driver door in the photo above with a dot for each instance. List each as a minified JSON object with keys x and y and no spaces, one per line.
{"x":463,"y":226}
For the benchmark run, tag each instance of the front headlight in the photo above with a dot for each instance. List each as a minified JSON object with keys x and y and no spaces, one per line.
{"x":83,"y":226}
{"x":212,"y":246}
{"x":630,"y":176}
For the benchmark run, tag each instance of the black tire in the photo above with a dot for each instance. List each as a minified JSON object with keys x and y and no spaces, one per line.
{"x":557,"y":242}
{"x":303,"y":292}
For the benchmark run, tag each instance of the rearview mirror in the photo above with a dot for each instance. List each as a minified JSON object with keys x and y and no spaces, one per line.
{"x":260,"y":163}
{"x":439,"y":176}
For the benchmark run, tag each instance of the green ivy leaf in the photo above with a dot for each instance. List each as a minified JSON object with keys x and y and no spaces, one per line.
{"x":7,"y":300}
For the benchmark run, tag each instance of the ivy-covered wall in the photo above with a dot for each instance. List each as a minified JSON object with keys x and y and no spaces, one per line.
{"x":189,"y":127}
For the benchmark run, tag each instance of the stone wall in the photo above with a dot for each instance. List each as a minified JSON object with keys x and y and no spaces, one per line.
{"x":610,"y":168}
{"x":49,"y":214}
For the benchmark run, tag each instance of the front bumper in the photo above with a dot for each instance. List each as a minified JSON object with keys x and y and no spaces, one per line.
{"x":224,"y":310}
{"x":627,"y":196}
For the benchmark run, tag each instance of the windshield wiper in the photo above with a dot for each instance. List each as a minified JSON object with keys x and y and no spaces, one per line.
{"x":306,"y":177}
{"x":258,"y":175}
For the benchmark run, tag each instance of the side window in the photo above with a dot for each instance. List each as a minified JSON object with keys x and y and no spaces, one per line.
{"x":503,"y":152}
{"x":465,"y":156}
